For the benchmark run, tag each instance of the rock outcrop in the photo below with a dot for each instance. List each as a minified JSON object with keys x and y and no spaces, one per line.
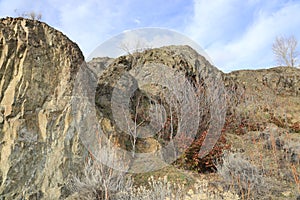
{"x":132,"y":85}
{"x":38,"y":146}
{"x":282,"y":81}
{"x":266,"y":96}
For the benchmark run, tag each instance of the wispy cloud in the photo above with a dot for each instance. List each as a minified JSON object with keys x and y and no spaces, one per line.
{"x":236,"y":34}
{"x":239,"y":34}
{"x":91,"y":22}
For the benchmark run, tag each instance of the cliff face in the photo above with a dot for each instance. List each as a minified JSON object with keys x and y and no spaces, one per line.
{"x":38,"y":147}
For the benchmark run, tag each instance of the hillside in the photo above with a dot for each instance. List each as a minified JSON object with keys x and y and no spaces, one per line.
{"x":155,"y":109}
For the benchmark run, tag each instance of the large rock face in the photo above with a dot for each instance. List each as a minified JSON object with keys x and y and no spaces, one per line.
{"x":38,"y":147}
{"x":146,"y":81}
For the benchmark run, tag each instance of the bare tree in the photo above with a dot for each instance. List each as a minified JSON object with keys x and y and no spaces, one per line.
{"x":31,"y":15}
{"x":284,"y":49}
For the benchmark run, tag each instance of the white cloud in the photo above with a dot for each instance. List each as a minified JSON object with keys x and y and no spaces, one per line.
{"x":88,"y":23}
{"x":238,"y":38}
{"x":91,"y":22}
{"x":235,"y":34}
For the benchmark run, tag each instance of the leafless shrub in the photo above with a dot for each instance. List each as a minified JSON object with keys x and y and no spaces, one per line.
{"x":240,"y":174}
{"x":134,"y":47}
{"x":114,"y":185}
{"x":31,"y":15}
{"x":99,"y":182}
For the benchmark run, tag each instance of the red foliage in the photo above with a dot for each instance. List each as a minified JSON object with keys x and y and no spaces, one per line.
{"x":241,"y":125}
{"x":192,"y":160}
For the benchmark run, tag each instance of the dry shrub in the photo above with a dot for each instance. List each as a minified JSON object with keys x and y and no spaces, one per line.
{"x":99,"y":182}
{"x":241,"y":176}
{"x":32,"y":15}
{"x":95,"y":185}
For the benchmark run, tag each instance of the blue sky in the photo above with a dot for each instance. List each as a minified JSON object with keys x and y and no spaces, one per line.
{"x":235,"y":34}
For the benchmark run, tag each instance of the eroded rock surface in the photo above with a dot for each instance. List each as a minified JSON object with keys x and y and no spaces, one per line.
{"x":146,"y":79}
{"x":38,"y":146}
{"x":283,"y":81}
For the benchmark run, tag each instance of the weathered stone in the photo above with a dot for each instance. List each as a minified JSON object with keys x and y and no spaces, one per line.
{"x":38,"y":146}
{"x":284,"y":81}
{"x":149,"y":74}
{"x":98,"y":65}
